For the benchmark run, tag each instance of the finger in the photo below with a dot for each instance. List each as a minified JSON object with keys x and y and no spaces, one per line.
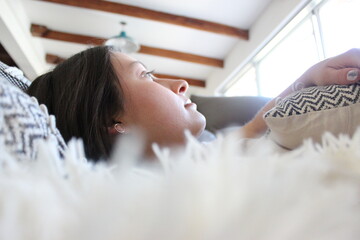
{"x":353,"y":75}
{"x":350,"y":59}
{"x":347,"y":75}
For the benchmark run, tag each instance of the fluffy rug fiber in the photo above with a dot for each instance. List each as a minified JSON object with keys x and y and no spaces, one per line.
{"x":219,"y":190}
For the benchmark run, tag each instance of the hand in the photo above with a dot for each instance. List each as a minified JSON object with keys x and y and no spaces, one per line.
{"x":342,"y":69}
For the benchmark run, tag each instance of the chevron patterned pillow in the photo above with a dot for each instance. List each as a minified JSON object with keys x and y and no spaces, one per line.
{"x":23,"y":123}
{"x":15,"y":76}
{"x":312,"y":111}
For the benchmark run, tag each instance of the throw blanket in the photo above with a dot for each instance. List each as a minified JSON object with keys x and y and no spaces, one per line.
{"x":220,"y":190}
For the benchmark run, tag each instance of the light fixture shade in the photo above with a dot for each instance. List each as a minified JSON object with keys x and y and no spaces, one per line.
{"x":123,"y":43}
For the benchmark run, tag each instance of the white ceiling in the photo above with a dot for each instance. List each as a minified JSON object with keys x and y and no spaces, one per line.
{"x":236,"y":13}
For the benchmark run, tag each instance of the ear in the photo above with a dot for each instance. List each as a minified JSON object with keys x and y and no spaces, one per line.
{"x":116,"y":129}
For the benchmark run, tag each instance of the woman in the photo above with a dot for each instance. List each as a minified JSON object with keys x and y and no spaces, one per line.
{"x":99,"y":94}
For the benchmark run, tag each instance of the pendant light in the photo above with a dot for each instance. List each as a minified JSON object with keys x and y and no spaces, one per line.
{"x":122,"y":42}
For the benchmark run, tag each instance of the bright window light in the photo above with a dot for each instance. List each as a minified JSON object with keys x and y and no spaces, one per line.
{"x":288,"y":60}
{"x":340,"y":25}
{"x":324,"y":28}
{"x":245,"y":85}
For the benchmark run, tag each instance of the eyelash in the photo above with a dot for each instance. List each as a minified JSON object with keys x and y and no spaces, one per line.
{"x":149,"y":74}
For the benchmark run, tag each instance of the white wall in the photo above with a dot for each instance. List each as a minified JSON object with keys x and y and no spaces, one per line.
{"x":15,"y":37}
{"x":271,"y":21}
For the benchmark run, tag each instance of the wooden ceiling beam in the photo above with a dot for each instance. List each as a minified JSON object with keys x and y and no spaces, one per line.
{"x":191,"y":81}
{"x":54,"y":59}
{"x":182,"y":56}
{"x":44,"y":32}
{"x":138,"y":12}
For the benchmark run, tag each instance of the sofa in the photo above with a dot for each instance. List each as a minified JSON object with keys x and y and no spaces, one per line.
{"x":224,"y":112}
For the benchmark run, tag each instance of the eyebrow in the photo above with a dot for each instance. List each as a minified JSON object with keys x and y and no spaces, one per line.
{"x":137,"y":62}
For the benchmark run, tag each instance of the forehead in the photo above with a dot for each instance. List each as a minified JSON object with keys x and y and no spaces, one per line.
{"x":124,"y":62}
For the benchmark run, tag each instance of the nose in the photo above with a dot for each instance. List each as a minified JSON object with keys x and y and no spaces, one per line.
{"x":178,"y":86}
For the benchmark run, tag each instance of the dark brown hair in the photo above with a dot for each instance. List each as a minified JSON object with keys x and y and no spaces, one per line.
{"x":85,"y":96}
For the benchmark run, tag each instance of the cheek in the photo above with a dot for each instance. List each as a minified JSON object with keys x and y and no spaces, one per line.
{"x":152,"y":105}
{"x":162,"y":116}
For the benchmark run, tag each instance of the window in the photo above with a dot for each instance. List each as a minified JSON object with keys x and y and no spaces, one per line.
{"x":287,"y":60}
{"x":320,"y":30}
{"x":340,"y":25}
{"x":246,"y":85}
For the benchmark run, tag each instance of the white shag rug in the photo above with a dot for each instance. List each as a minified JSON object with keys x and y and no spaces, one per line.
{"x":213,"y":191}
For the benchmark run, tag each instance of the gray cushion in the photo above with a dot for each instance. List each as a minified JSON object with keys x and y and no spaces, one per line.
{"x":222,"y":112}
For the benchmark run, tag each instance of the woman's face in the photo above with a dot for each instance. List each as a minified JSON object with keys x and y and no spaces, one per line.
{"x":157,"y":106}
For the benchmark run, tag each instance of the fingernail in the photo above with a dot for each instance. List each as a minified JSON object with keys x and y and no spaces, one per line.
{"x":352,"y":75}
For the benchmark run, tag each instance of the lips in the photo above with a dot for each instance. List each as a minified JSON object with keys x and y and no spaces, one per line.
{"x":188,"y":103}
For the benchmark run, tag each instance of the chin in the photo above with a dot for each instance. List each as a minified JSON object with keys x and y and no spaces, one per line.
{"x":176,"y":136}
{"x":199,"y":126}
